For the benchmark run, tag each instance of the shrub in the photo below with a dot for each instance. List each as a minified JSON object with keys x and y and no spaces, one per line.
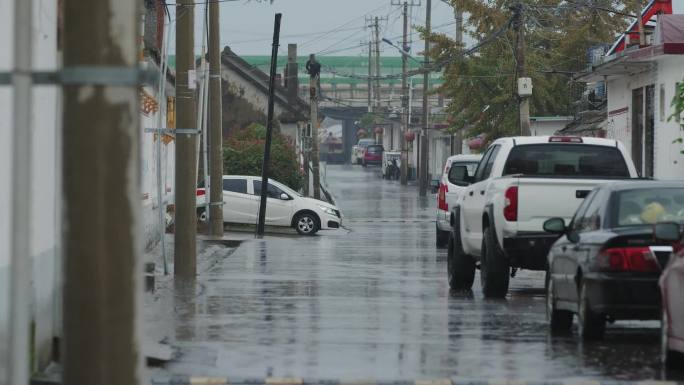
{"x":243,"y":154}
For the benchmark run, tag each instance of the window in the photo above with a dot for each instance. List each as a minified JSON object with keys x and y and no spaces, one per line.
{"x":481,"y":165}
{"x":485,"y":166}
{"x":273,"y":191}
{"x":648,"y":206}
{"x":456,"y":176}
{"x":566,"y":161}
{"x":373,"y":149}
{"x":591,"y":219}
{"x":577,"y":218}
{"x":235,"y":185}
{"x":490,"y":162}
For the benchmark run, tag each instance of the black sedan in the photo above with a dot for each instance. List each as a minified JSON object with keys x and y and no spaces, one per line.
{"x":606,"y":264}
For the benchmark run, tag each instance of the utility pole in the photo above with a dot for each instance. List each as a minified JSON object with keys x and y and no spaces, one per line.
{"x":458,"y":18}
{"x":423,"y":183}
{"x":520,"y":67}
{"x":404,"y":99}
{"x":101,"y":167}
{"x":185,"y":237}
{"x":215,"y":124}
{"x":370,"y":76}
{"x":269,"y":126}
{"x":20,"y":242}
{"x":378,"y":91}
{"x":315,"y":160}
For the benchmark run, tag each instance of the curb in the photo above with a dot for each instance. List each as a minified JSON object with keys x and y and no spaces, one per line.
{"x":187,"y":380}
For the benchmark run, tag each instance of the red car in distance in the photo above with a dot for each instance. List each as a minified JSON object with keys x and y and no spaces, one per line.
{"x":372,"y":155}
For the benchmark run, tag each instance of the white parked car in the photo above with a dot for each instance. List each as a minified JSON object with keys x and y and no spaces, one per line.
{"x":450,"y":189}
{"x":284,"y":206}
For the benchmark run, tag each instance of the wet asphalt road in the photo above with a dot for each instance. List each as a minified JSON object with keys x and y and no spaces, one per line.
{"x":373,"y":302}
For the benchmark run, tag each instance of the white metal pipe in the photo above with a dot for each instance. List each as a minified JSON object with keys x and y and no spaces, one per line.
{"x":20,"y":257}
{"x":161,"y":207}
{"x":205,"y":125}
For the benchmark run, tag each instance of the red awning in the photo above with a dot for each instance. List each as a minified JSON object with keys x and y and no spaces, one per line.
{"x":653,"y":8}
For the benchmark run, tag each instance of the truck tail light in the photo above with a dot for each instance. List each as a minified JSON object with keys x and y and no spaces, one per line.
{"x":632,"y":259}
{"x":201,"y":192}
{"x":441,"y":197}
{"x":511,"y":204}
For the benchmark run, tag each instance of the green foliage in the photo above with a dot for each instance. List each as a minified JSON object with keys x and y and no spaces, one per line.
{"x":367,"y":120}
{"x":243,"y":154}
{"x":557,"y":35}
{"x":678,"y":107}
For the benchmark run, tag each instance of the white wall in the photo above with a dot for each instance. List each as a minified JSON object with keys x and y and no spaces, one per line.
{"x":619,"y":123}
{"x":543,"y":127}
{"x":669,"y":162}
{"x":45,"y":225}
{"x":150,"y":214}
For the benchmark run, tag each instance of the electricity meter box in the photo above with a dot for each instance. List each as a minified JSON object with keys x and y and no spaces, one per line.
{"x":524,"y":87}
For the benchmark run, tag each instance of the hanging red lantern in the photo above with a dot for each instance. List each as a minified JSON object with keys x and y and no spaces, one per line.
{"x":476,"y":144}
{"x":378,"y":130}
{"x":410,"y":136}
{"x":361,"y":133}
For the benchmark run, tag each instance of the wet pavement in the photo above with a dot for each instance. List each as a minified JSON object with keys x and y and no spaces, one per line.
{"x":372,"y":302}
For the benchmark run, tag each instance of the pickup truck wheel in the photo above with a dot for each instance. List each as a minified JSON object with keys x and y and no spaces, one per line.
{"x":494,"y":269}
{"x":560,"y":321}
{"x":460,"y":266}
{"x":441,"y":237}
{"x":591,"y":325}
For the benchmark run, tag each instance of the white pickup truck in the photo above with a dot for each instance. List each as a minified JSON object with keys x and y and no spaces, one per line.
{"x":519,"y":183}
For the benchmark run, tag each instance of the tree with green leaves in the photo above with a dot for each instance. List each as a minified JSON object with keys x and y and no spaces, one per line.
{"x":558,"y":34}
{"x":678,"y":107}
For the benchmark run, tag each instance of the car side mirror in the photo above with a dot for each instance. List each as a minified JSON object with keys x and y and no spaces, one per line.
{"x":458,"y":175}
{"x":555,"y":226}
{"x":573,"y":236}
{"x":667,"y":231}
{"x":284,"y":197}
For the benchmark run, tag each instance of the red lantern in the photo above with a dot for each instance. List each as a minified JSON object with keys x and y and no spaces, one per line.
{"x":378,"y":130}
{"x":410,"y":136}
{"x":476,"y":144}
{"x":361,"y":133}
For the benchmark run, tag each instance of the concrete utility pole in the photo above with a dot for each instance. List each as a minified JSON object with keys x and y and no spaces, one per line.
{"x":404,"y":99}
{"x":20,"y":241}
{"x":370,"y":76}
{"x":215,"y":124}
{"x":185,"y":258}
{"x":520,"y":67}
{"x":101,"y":170}
{"x":378,"y":91}
{"x":424,"y":177}
{"x":458,"y":18}
{"x":315,"y":160}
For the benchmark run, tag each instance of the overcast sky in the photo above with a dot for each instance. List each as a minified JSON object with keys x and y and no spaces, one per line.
{"x":333,"y":27}
{"x":325,"y":27}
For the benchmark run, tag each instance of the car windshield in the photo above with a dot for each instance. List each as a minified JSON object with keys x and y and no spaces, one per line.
{"x":567,"y":161}
{"x":649,"y":206}
{"x":366,"y":142}
{"x":374,"y":149}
